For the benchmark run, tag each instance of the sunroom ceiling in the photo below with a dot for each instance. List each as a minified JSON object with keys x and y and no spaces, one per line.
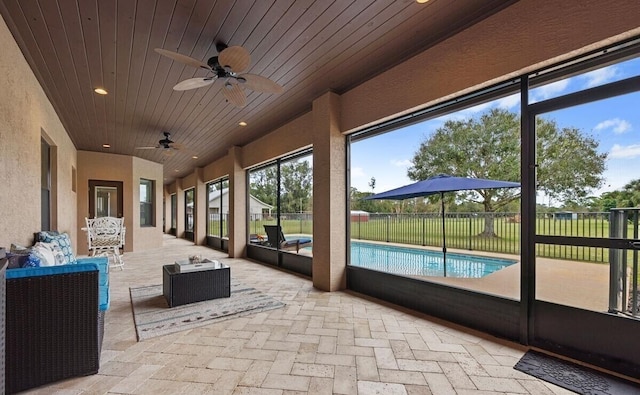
{"x":308,"y":47}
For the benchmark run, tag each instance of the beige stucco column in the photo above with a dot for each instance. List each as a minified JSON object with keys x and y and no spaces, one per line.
{"x":329,"y":191}
{"x":200,"y":219}
{"x":237,"y":204}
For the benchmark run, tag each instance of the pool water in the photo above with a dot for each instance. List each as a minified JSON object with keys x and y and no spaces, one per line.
{"x":419,"y":262}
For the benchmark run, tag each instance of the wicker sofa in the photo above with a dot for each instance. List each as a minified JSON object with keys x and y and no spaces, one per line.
{"x":54,"y":322}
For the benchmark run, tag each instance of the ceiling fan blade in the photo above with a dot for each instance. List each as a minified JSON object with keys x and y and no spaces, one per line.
{"x":193,"y":83}
{"x":234,"y":94}
{"x":147,"y":147}
{"x":259,"y":83}
{"x":182,"y":58}
{"x":176,"y":146}
{"x":236,"y":58}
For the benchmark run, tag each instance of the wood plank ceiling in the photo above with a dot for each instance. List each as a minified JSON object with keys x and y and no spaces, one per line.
{"x":307,"y":46}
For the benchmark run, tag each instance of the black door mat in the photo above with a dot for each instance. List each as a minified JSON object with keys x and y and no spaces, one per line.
{"x":574,"y":377}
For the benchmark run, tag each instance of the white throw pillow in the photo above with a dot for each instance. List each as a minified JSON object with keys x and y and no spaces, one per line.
{"x":45,"y":253}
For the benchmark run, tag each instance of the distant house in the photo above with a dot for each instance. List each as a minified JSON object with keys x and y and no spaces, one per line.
{"x":359,"y":216}
{"x":257,"y":208}
{"x":565,"y":215}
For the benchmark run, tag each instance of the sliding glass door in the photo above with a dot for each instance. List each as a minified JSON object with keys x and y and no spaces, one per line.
{"x":584,"y":202}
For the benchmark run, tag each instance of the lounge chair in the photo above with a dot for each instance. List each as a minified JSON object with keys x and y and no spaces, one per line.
{"x":274,"y":233}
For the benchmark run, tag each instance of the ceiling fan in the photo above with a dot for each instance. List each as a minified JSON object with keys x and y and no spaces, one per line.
{"x":167,"y":146}
{"x":228,"y":66}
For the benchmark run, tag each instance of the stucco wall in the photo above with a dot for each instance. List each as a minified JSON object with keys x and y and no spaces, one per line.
{"x":105,"y":167}
{"x":129,"y":170}
{"x":286,"y":139}
{"x":217,"y":169}
{"x":147,"y":237}
{"x":26,"y":115}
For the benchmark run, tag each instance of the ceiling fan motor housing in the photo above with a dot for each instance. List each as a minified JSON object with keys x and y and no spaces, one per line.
{"x":221,"y":71}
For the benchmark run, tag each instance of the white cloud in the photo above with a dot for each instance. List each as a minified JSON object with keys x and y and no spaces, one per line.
{"x":618,"y":125}
{"x":509,"y":102}
{"x":550,"y":90}
{"x":406,"y":163}
{"x":465,"y":114}
{"x":600,"y":76}
{"x":624,"y":152}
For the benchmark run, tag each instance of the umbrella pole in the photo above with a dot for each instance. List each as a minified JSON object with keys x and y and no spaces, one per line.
{"x":444,"y":238}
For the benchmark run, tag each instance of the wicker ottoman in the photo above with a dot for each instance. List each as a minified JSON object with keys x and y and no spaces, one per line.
{"x":191,"y":287}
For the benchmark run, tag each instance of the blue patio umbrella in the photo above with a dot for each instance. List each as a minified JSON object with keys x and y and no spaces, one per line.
{"x":440,"y":184}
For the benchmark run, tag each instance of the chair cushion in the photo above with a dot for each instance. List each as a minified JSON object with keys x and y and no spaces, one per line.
{"x":63,"y":241}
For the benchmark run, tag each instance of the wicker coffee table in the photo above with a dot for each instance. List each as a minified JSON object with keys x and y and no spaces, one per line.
{"x":196,"y":286}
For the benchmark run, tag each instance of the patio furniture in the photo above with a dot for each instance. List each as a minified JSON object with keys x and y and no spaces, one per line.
{"x":106,"y":236}
{"x":54,"y":322}
{"x":195,"y":286}
{"x":274,"y":232}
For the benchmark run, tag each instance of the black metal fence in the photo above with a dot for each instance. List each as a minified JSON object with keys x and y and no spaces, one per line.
{"x":461,"y":230}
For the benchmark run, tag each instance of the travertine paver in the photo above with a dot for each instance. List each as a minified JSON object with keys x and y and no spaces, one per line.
{"x":373,"y":388}
{"x":319,"y":343}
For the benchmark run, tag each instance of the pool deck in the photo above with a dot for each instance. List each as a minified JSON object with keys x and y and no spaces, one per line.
{"x":577,"y":284}
{"x":572,"y":283}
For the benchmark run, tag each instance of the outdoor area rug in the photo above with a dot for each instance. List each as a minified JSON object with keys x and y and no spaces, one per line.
{"x":574,"y":377}
{"x":153,"y":316}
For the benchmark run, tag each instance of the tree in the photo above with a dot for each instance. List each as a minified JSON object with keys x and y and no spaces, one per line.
{"x":295,"y":186}
{"x":489,"y":147}
{"x":632,"y":189}
{"x":264,"y":185}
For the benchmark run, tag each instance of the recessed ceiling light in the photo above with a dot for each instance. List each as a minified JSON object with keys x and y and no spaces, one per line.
{"x":176,"y":170}
{"x":106,"y":145}
{"x":194,"y":157}
{"x":242,"y":123}
{"x":100,"y":91}
{"x":422,"y":1}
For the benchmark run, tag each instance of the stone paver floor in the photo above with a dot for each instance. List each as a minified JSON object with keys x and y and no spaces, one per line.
{"x":319,"y":343}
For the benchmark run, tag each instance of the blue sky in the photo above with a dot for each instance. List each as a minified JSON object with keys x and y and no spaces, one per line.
{"x":614,"y":122}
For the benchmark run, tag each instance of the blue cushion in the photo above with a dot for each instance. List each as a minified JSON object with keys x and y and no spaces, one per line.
{"x":103,"y":281}
{"x":103,"y":298}
{"x":63,"y":241}
{"x":103,"y":266}
{"x":50,"y":270}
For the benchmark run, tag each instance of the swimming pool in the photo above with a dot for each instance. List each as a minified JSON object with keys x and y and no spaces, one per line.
{"x":419,"y":262}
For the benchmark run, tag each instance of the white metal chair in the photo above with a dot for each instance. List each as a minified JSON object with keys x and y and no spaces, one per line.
{"x":105,"y":236}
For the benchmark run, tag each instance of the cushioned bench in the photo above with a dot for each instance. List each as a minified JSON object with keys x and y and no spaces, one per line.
{"x":54,"y":322}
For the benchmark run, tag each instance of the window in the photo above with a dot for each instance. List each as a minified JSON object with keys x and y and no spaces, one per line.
{"x":280,"y":195}
{"x":475,"y":137}
{"x":45,"y":186}
{"x":147,"y":217}
{"x":174,"y":214}
{"x":189,"y":212}
{"x":218,"y":208}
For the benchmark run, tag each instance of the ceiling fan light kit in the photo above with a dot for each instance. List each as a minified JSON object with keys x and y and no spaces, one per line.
{"x":228,"y":65}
